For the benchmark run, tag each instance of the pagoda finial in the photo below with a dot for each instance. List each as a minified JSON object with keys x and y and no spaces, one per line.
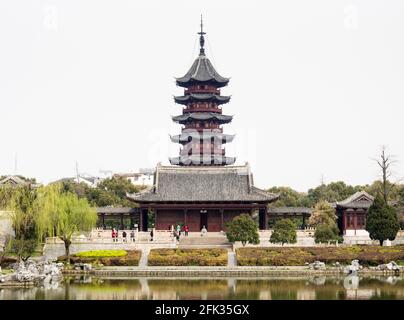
{"x":201,"y":39}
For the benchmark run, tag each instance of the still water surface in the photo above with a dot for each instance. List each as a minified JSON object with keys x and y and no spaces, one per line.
{"x":284,"y":288}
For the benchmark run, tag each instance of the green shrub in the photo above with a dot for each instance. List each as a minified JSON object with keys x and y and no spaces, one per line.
{"x":187,"y":257}
{"x":243,"y":228}
{"x":102,"y":253}
{"x":284,"y":232}
{"x":327,"y":232}
{"x":130,"y":258}
{"x":290,"y":256}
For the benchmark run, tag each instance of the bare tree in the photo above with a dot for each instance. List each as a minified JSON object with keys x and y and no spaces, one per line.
{"x":385,"y":162}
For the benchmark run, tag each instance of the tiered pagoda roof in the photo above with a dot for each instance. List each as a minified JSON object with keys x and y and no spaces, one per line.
{"x":202,"y":71}
{"x":201,"y":97}
{"x":187,"y":136}
{"x":220,"y":118}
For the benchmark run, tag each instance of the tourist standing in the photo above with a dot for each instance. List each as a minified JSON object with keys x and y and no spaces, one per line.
{"x":151,"y":235}
{"x":124,"y":236}
{"x":186,"y":229}
{"x":203,"y":231}
{"x":132,"y":236}
{"x":178,"y":229}
{"x":113,"y":234}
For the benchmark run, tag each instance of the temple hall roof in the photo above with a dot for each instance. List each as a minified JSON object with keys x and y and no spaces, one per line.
{"x":207,"y":184}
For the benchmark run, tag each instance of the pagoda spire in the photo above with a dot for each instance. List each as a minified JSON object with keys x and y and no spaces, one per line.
{"x":201,"y":39}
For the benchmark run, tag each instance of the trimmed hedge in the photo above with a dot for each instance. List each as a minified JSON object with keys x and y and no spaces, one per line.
{"x":298,"y":256}
{"x":102,"y":253}
{"x":187,"y":257}
{"x":129,"y":258}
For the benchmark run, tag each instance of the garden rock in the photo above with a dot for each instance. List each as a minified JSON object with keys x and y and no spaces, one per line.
{"x":82,"y":266}
{"x":317,"y":265}
{"x":37,"y":272}
{"x":353,"y":268}
{"x":391,"y":266}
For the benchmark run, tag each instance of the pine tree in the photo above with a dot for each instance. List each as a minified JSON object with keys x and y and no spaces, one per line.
{"x":382,"y":222}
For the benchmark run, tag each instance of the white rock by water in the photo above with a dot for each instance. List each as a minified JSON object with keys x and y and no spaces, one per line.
{"x":391,"y":266}
{"x":354,"y":267}
{"x":317,"y":265}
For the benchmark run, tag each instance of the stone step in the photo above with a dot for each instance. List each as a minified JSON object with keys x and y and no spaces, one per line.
{"x":231,"y":259}
{"x":206,"y":246}
{"x":202,"y":240}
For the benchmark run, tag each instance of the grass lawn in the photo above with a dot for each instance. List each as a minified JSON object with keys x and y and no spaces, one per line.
{"x":187,"y":257}
{"x":298,"y":256}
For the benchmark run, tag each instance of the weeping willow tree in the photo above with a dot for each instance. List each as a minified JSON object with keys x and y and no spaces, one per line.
{"x":61,"y":214}
{"x":23,"y":214}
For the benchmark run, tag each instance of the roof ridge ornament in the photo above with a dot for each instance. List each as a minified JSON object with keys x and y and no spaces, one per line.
{"x":201,"y":39}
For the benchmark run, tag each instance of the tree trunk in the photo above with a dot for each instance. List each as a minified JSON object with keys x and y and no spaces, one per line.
{"x":67,"y":249}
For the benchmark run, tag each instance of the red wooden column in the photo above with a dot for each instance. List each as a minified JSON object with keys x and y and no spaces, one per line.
{"x":344,"y":220}
{"x":221,"y":220}
{"x":355,"y":221}
{"x":185,"y":216}
{"x":266,"y":218}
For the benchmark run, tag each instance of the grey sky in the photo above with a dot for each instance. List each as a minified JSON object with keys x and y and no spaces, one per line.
{"x":317,"y":86}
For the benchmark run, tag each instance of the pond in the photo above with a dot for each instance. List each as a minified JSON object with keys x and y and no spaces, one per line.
{"x":268,"y":288}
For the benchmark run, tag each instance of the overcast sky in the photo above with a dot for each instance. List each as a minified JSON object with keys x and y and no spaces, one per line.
{"x":317,"y":86}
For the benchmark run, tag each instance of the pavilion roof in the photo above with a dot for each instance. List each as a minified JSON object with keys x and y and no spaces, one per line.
{"x":359,"y":200}
{"x":206,"y":184}
{"x":289,"y":210}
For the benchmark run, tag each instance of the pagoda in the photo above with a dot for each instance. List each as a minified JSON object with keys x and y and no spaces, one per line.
{"x":202,"y":136}
{"x":201,"y":188}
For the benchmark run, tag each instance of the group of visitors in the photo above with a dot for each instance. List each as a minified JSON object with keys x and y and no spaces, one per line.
{"x":178,"y":231}
{"x":115,"y":235}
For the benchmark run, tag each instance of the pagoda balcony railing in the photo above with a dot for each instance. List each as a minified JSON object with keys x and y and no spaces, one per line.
{"x":204,"y":109}
{"x":214,"y":91}
{"x":206,"y":151}
{"x":201,"y":129}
